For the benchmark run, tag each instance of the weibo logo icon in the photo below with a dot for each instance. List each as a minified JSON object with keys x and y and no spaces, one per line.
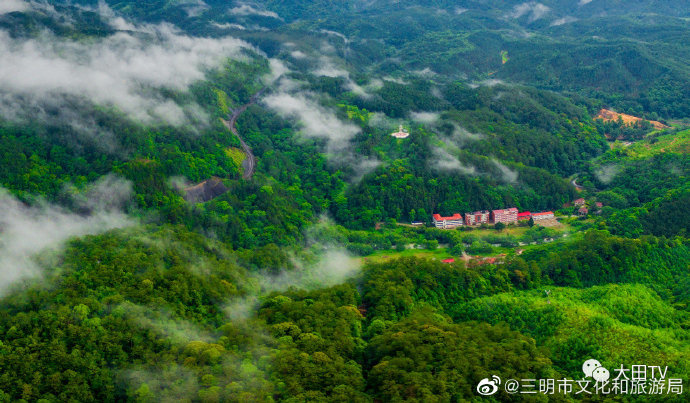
{"x":488,"y":386}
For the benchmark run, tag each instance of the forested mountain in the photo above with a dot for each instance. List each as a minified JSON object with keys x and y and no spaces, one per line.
{"x":201,"y":200}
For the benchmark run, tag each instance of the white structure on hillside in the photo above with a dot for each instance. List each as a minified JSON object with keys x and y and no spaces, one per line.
{"x":546,"y":215}
{"x":401,"y":133}
{"x":447,"y":222}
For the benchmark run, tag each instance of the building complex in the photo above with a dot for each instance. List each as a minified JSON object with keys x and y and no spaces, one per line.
{"x":447,"y":222}
{"x":546,"y":215}
{"x":505,"y":216}
{"x":477,"y":218}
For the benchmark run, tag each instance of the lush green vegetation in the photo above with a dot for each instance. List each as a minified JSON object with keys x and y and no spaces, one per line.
{"x":308,"y":281}
{"x":162,"y":312}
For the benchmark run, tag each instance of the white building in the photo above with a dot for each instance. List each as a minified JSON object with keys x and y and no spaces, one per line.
{"x":542,"y":216}
{"x":400,"y":134}
{"x":447,"y":222}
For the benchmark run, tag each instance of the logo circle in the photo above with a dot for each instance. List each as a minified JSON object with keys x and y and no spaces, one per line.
{"x":488,"y":387}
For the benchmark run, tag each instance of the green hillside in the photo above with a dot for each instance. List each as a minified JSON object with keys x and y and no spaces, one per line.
{"x":207,"y":201}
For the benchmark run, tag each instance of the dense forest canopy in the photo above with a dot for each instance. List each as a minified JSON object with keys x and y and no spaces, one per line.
{"x":203,"y":201}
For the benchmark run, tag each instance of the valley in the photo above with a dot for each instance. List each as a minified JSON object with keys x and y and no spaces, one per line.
{"x":352,"y":201}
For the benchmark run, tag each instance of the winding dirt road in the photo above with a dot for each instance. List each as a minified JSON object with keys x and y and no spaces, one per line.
{"x":577,"y":187}
{"x":249,"y":163}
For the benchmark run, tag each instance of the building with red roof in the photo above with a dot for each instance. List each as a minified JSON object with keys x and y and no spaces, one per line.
{"x":450,"y":260}
{"x":579,"y":202}
{"x":544,"y":215}
{"x":476,"y":218}
{"x":506,"y":216}
{"x":525,"y":215}
{"x":447,"y":222}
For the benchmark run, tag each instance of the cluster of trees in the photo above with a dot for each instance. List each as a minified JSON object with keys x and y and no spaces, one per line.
{"x":117,"y":300}
{"x":159,"y":312}
{"x":402,"y":193}
{"x":162,"y":312}
{"x":564,"y":320}
{"x":661,"y":217}
{"x":618,"y":130}
{"x":642,"y":192}
{"x":535,"y":128}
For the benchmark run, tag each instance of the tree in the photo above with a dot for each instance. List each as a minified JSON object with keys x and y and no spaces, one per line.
{"x":421,"y":215}
{"x":530,"y":222}
{"x":499,"y":226}
{"x":426,"y":357}
{"x":456,"y":249}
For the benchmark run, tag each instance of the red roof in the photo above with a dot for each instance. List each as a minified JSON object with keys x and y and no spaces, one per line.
{"x":451,"y":260}
{"x":524,"y":214}
{"x":543,"y":213}
{"x":508,"y":210}
{"x":455,"y":216}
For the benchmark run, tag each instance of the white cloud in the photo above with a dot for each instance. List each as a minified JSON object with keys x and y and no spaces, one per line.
{"x":492,"y":82}
{"x":124,"y":70}
{"x":246,"y":9}
{"x":424,"y":117}
{"x":278,"y":70}
{"x":583,"y":2}
{"x":334,"y":33}
{"x":26,"y":231}
{"x":382,"y":121}
{"x":395,"y":80}
{"x":193,"y":8}
{"x":507,"y":174}
{"x":314,"y":119}
{"x":426,"y":72}
{"x":328,"y":69}
{"x":228,"y":25}
{"x":444,"y":161}
{"x":606,"y":173}
{"x":241,"y":308}
{"x":565,"y":20}
{"x":171,"y":383}
{"x":333,"y":267}
{"x":298,"y":54}
{"x":460,"y":136}
{"x":115,"y":21}
{"x":533,"y":10}
{"x":10,"y":6}
{"x":163,"y":323}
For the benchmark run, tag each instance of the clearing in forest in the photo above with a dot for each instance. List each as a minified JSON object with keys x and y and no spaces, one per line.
{"x":608,"y":115}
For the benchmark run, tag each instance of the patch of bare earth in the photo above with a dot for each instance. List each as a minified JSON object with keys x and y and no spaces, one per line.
{"x":608,"y":115}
